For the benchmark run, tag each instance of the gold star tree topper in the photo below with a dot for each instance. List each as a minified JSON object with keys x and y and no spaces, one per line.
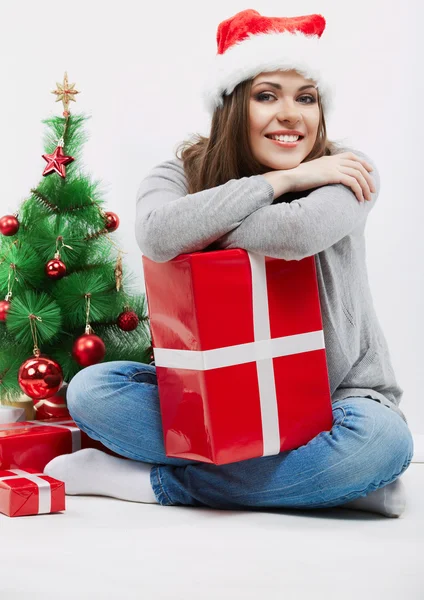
{"x":65,"y":92}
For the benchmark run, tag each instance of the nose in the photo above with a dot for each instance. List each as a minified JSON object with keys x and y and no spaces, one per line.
{"x":290,"y":112}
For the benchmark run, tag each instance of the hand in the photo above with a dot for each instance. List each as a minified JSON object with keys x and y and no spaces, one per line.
{"x":345,"y":168}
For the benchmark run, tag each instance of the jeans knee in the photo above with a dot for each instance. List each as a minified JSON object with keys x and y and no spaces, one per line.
{"x":78,"y":394}
{"x":399,"y":446}
{"x":405,"y":444}
{"x":383,"y":441}
{"x":73,"y":394}
{"x":394,"y":441}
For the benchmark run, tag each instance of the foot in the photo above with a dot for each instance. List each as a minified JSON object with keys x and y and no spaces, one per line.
{"x":90,"y":471}
{"x":389,"y":500}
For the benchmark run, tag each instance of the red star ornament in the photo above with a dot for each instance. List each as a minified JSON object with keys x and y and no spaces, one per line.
{"x":56,"y":162}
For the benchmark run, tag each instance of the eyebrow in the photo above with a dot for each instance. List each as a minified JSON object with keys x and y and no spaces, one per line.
{"x":279,"y":87}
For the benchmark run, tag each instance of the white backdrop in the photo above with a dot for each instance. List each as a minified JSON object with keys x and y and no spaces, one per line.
{"x":138,"y":70}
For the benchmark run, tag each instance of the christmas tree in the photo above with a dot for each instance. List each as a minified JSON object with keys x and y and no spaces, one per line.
{"x":67,"y":302}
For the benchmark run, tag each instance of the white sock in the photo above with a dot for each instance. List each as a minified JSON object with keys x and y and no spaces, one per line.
{"x":90,"y":471}
{"x":389,"y":500}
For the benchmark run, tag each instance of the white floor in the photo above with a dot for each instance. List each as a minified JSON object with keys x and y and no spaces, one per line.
{"x":101,"y":548}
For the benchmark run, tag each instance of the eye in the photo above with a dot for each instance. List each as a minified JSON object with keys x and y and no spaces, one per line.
{"x":261,"y":95}
{"x":311,"y":98}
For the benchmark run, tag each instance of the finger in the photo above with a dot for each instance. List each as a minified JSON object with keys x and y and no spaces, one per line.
{"x":361,"y":180}
{"x":353,"y":156}
{"x":352,"y":182}
{"x":369,"y":179}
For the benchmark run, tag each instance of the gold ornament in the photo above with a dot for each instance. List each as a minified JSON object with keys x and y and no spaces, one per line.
{"x":65,"y":92}
{"x":118,"y":272}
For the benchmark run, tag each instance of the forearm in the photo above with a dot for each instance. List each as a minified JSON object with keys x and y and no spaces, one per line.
{"x":304,"y":227}
{"x":170,"y":222}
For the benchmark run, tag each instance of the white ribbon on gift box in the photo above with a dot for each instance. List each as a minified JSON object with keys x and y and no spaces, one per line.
{"x":261,"y":351}
{"x":45,"y":402}
{"x":44,"y":488}
{"x":75,"y":432}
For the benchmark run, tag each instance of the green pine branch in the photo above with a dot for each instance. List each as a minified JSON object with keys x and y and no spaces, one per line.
{"x":69,"y":209}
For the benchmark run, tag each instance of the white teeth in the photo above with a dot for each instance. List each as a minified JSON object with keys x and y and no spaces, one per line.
{"x":285,"y":138}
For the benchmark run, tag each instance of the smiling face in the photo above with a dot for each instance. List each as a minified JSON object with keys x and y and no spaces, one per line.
{"x":282,"y":104}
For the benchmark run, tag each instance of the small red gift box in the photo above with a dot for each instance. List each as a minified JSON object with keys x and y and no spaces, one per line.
{"x":239,"y":353}
{"x":28,"y":492}
{"x":33,"y":444}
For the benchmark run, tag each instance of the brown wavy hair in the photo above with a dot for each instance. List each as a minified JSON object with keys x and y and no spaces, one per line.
{"x":226,"y":154}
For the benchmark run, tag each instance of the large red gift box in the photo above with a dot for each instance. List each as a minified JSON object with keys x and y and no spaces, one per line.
{"x":239,"y":352}
{"x":33,"y":444}
{"x":28,"y":492}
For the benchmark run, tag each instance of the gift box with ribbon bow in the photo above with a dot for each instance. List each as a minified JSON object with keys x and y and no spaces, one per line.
{"x":33,"y":444}
{"x":27,"y":492}
{"x":239,"y":353}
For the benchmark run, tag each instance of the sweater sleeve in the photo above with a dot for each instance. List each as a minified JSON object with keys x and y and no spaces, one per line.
{"x":170,"y":222}
{"x":303,"y":227}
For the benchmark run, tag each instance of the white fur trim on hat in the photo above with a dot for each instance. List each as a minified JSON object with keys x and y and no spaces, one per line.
{"x":266,"y":52}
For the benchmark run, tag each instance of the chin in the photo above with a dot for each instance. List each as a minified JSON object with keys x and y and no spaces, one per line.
{"x":283,"y":163}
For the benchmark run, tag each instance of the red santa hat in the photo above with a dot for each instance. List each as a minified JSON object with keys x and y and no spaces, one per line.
{"x":249,"y":44}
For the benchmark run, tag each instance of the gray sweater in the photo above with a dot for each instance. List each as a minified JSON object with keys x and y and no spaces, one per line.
{"x":327,"y":222}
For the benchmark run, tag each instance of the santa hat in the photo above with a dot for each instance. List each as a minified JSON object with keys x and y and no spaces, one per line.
{"x":249,"y":44}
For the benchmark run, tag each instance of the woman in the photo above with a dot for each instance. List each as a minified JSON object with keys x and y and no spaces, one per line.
{"x":249,"y":186}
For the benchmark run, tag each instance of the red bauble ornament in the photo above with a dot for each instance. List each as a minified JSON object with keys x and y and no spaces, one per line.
{"x":9,"y":225}
{"x":55,"y":406}
{"x":40,"y":377}
{"x":88,"y":350}
{"x":4,"y":307}
{"x":112,"y":222}
{"x":56,"y":162}
{"x":55,"y":269}
{"x":127,"y":320}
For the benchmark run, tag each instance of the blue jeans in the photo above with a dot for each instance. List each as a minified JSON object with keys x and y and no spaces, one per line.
{"x":369,"y":446}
